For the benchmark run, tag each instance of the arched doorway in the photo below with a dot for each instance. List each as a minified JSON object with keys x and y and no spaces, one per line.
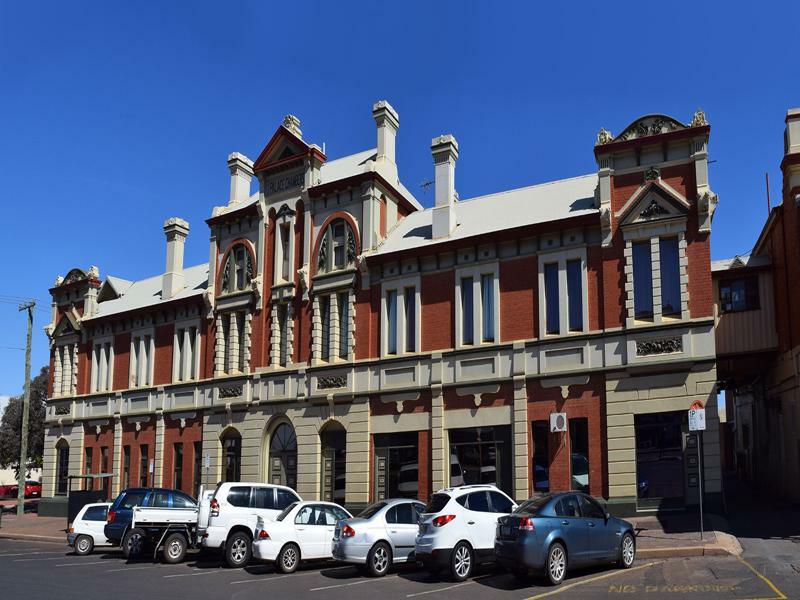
{"x":334,"y":462}
{"x":283,"y":456}
{"x":231,"y":455}
{"x":62,"y":467}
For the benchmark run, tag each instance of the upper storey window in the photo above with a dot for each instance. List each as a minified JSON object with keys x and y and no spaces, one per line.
{"x":238,"y":270}
{"x":337,"y":248}
{"x":737,"y":295}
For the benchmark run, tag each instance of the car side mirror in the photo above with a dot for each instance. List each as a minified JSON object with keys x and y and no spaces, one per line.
{"x":608,"y":516}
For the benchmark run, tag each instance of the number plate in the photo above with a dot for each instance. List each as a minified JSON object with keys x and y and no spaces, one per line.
{"x":505,"y":531}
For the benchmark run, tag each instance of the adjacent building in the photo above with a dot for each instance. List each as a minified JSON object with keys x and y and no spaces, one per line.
{"x":758,"y":341}
{"x":347,"y":342}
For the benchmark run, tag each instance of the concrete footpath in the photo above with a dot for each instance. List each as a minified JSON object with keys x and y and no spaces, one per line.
{"x":674,"y":535}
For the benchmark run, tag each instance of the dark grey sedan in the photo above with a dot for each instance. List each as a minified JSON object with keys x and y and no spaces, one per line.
{"x":551,"y":533}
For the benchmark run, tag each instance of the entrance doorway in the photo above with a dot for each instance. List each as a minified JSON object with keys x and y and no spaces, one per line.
{"x":660,"y":471}
{"x":396,"y":465}
{"x":334,"y":462}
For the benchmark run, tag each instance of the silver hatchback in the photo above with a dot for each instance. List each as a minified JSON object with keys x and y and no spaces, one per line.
{"x":381,"y":535}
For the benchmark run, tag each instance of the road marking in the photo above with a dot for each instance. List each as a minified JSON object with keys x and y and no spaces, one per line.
{"x":593,"y":579}
{"x":29,"y":553}
{"x":450,"y":587}
{"x":202,"y":572}
{"x":301,"y":574}
{"x":80,"y":564}
{"x":39,"y":558}
{"x":330,"y":587}
{"x":132,"y":569}
{"x":780,"y":594}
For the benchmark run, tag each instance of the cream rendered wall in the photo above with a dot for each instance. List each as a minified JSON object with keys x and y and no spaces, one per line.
{"x":73,"y":434}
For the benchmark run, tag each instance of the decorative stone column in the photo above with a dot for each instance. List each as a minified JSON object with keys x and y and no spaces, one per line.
{"x":245,"y":343}
{"x":308,"y":458}
{"x":57,"y":366}
{"x":158,"y":456}
{"x":440,"y":463}
{"x":522,"y":465}
{"x":233,"y":343}
{"x":333,"y":319}
{"x":118,"y":457}
{"x":316,"y":331}
{"x":358,"y":455}
{"x":219,"y":347}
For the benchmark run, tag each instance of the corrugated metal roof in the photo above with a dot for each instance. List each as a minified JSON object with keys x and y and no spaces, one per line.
{"x":739,"y":262}
{"x":147,"y":292}
{"x":539,"y":203}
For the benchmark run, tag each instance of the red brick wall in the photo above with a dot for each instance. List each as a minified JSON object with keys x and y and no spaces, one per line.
{"x":208,"y":328}
{"x":122,"y":358}
{"x":191,"y":433}
{"x":518,"y":298}
{"x":594,"y":286}
{"x":368,"y":331}
{"x":583,"y":401}
{"x":84,"y":368}
{"x":162,"y":372}
{"x":437,"y":309}
{"x":95,"y":441}
{"x":383,"y":217}
{"x":132,"y":438}
{"x":422,"y":405}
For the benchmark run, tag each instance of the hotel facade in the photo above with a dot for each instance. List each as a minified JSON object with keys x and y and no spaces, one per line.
{"x":347,"y":342}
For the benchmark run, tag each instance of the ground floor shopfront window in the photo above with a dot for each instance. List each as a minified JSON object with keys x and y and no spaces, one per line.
{"x":660,"y":470}
{"x":579,"y":454}
{"x":396,"y":465}
{"x":481,"y":455}
{"x":334,"y":462}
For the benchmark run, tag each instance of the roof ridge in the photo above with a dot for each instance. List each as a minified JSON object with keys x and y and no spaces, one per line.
{"x":333,"y":160}
{"x":135,"y":281}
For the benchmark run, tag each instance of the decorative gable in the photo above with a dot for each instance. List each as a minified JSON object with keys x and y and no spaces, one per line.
{"x":284,"y":147}
{"x":653,"y":201}
{"x":68,"y":325}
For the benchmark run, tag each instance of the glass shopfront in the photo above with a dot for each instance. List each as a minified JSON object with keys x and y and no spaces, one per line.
{"x":396,"y":465}
{"x":660,"y":459}
{"x":481,"y":455}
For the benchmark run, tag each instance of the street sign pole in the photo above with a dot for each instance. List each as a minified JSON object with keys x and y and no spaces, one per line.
{"x":700,"y":477}
{"x":697,"y":423}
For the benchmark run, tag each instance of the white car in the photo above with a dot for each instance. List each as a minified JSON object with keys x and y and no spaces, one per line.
{"x":457,"y":528}
{"x":304,"y":531}
{"x":229,"y":522}
{"x":86,"y":531}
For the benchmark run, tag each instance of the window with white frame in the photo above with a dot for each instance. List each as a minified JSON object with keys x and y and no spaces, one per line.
{"x":185,"y":353}
{"x":337,"y":247}
{"x":400,"y":317}
{"x":333,"y":325}
{"x":477,"y":315}
{"x":656,"y":277}
{"x":64,"y":369}
{"x":102,"y":366}
{"x":141,"y":362}
{"x":562,"y":292}
{"x":283,"y":333}
{"x":286,"y":255}
{"x":325,"y":324}
{"x":237,"y":272}
{"x":343,"y":309}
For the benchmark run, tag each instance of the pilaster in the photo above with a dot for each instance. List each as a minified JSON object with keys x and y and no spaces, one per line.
{"x":440,"y":464}
{"x":522,"y":466}
{"x":117,"y":459}
{"x":158,"y":455}
{"x":358,"y":455}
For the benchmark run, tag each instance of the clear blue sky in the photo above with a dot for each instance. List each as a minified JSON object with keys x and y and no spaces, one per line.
{"x":115,"y":116}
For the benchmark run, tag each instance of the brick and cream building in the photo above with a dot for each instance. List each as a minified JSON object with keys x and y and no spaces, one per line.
{"x":347,"y":342}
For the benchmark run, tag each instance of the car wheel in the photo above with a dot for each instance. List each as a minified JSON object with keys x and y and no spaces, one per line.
{"x":133,"y":543}
{"x":379,"y":559}
{"x":83,"y":545}
{"x":174,"y":548}
{"x":461,"y":562}
{"x":237,"y":550}
{"x":288,"y":559}
{"x":627,"y":551}
{"x":556,"y":567}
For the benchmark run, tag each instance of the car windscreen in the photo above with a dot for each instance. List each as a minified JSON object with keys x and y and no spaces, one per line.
{"x":285,"y":512}
{"x":437,"y":503}
{"x":533,"y":506}
{"x":371,"y":510}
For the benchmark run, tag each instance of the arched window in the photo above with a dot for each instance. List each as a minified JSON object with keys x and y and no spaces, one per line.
{"x":62,"y":467}
{"x":231,"y":456}
{"x":337,"y":248}
{"x":334,"y":462}
{"x":238,"y":270}
{"x":283,"y":456}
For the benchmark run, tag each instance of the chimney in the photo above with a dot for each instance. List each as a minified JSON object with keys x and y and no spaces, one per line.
{"x":176,"y":230}
{"x":388,"y":123}
{"x":445,"y":153}
{"x":792,"y":133}
{"x":241,"y":173}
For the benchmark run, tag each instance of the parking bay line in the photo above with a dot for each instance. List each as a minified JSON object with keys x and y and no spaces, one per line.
{"x":263,"y":579}
{"x":339,"y":585}
{"x":30,"y":553}
{"x":81,"y":564}
{"x":450,"y":587}
{"x":593,"y":579}
{"x":40,"y":558}
{"x":202,"y":572}
{"x":781,"y":595}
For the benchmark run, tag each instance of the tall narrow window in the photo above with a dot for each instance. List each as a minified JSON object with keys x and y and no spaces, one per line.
{"x":240,"y":270}
{"x":670,"y":276}
{"x":410,"y":309}
{"x":126,"y":467}
{"x":467,"y":333}
{"x":232,"y":456}
{"x":338,"y":239}
{"x":391,"y":322}
{"x":240,"y":323}
{"x":144,"y":464}
{"x":198,"y":465}
{"x":642,"y":280}
{"x":285,"y":254}
{"x":192,"y":353}
{"x":62,"y":467}
{"x":541,"y":456}
{"x":104,"y":469}
{"x":487,"y":307}
{"x":343,"y":305}
{"x":325,"y":322}
{"x":579,"y":453}
{"x":177,"y":466}
{"x":575,"y":294}
{"x":87,"y":466}
{"x":552,"y":303}
{"x":283,"y":346}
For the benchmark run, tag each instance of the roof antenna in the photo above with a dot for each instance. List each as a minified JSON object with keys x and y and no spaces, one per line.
{"x":426,"y":183}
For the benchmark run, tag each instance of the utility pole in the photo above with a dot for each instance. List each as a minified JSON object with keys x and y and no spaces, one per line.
{"x":26,"y":403}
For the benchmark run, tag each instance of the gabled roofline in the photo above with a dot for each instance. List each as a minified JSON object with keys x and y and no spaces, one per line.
{"x":331,"y":186}
{"x":773,"y":215}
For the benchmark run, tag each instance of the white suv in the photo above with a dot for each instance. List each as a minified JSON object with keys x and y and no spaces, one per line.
{"x":457,"y":528}
{"x":228,"y":521}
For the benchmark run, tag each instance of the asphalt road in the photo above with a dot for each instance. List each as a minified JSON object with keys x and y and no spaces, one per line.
{"x":50,"y":570}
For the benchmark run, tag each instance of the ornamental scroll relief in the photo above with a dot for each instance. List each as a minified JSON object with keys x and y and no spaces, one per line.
{"x":661,"y":346}
{"x":336,"y":381}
